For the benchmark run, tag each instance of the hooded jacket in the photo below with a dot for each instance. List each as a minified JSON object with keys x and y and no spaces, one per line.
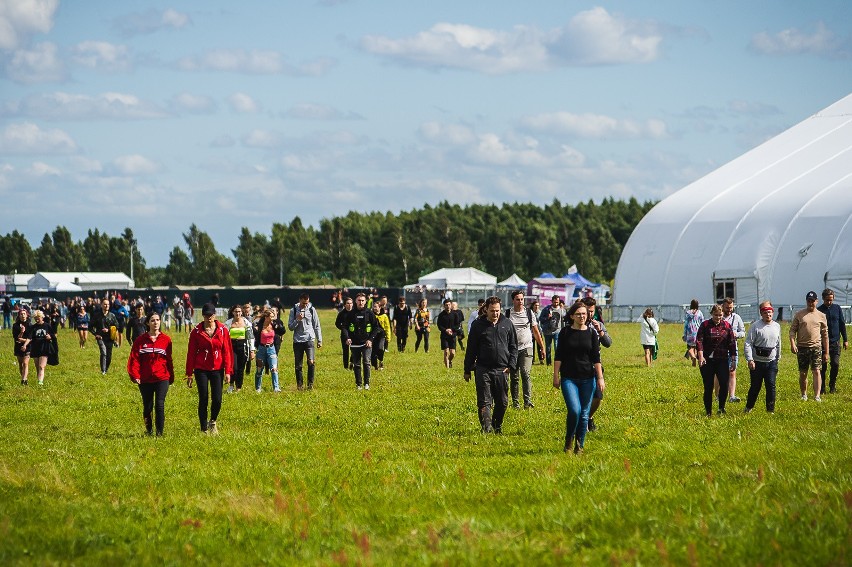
{"x":209,"y":353}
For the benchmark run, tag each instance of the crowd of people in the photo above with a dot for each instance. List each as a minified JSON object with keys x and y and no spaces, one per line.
{"x":502,"y":346}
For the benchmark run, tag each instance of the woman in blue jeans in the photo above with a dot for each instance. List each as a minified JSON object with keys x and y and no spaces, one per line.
{"x":576,"y":370}
{"x":265,"y":356}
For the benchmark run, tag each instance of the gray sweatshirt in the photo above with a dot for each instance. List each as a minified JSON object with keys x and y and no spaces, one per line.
{"x":763,"y":336}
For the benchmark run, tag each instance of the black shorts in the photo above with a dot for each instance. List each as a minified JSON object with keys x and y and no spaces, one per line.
{"x":448,"y":341}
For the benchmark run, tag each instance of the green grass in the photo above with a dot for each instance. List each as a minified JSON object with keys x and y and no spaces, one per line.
{"x":401,"y":474}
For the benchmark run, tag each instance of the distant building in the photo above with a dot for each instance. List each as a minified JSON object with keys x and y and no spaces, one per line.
{"x":78,"y":281}
{"x":14,"y":282}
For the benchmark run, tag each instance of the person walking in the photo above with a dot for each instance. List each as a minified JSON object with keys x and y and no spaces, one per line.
{"x":492,"y":352}
{"x":836,"y":329}
{"x":401,"y":323}
{"x":266,"y":355}
{"x":446,"y":322}
{"x":105,"y":328}
{"x":340,"y":323}
{"x":41,"y":343}
{"x":150,"y":366}
{"x":735,"y":321}
{"x":692,"y":319}
{"x":576,"y":372}
{"x":648,"y":330}
{"x":242,"y":345}
{"x":597,"y":327}
{"x":380,"y":345}
{"x":81,"y":322}
{"x":421,"y":325}
{"x":360,"y":332}
{"x":763,"y":351}
{"x":307,"y":338}
{"x":21,"y":350}
{"x":137,"y":324}
{"x":716,"y":346}
{"x":209,"y":360}
{"x":809,"y":342}
{"x":526,"y":329}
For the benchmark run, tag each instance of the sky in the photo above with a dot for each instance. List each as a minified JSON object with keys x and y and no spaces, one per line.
{"x":157,"y":115}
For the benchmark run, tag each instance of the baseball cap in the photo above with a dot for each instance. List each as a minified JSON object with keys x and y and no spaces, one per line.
{"x":208,"y":309}
{"x":811,"y":296}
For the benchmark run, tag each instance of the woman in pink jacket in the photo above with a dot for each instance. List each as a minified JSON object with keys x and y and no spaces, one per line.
{"x":209,"y":360}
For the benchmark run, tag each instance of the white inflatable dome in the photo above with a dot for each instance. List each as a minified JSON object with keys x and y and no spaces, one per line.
{"x":772,"y":224}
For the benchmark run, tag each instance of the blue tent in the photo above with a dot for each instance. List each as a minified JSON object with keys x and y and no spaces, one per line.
{"x":580,"y":280}
{"x":546,"y":275}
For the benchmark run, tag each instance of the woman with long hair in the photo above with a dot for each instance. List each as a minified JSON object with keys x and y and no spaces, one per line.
{"x":82,"y":324}
{"x":266,"y":356}
{"x":150,"y":367}
{"x":421,"y":325}
{"x":576,"y":371}
{"x":20,"y":330}
{"x":242,"y":343}
{"x":648,"y":330}
{"x":210,"y":361}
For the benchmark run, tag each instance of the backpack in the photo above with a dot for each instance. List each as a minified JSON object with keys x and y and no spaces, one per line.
{"x":551,"y":325}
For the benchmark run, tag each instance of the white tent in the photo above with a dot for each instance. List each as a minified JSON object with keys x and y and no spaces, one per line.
{"x":457,"y":278}
{"x":513,"y":281}
{"x":86,"y":281}
{"x":66,"y":286}
{"x":772,"y":224}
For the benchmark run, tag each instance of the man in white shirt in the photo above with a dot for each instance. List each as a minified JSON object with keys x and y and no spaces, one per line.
{"x":526,"y":329}
{"x":736,"y":323}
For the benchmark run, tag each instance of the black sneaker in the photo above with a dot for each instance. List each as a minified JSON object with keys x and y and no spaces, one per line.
{"x":529,"y":405}
{"x":592,"y":426}
{"x":721,"y":412}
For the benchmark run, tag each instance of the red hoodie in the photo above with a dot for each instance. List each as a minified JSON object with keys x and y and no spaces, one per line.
{"x":209,"y":353}
{"x":151,"y":360}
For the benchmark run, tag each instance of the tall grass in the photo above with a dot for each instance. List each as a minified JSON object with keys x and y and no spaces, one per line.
{"x":400,"y":474}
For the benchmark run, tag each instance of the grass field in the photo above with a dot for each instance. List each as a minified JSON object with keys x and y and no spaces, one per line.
{"x":401,"y":475}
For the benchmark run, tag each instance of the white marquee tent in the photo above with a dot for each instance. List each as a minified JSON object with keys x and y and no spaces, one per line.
{"x":457,"y":279}
{"x":772,"y":224}
{"x":85,"y":281}
{"x":514,"y":281}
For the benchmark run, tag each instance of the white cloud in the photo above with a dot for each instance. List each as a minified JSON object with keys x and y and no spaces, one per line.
{"x":446,"y":134}
{"x":151,"y":21}
{"x":253,"y":62}
{"x":28,"y":138}
{"x":83,"y":164}
{"x":40,"y":64}
{"x":20,"y":19}
{"x":40,"y":169}
{"x":593,"y":37}
{"x":262,"y":139}
{"x":818,"y":41}
{"x":135,"y":165}
{"x":196,"y":104}
{"x":309,"y":111}
{"x":69,"y":106}
{"x":243,"y":103}
{"x":595,"y":126}
{"x":101,"y":55}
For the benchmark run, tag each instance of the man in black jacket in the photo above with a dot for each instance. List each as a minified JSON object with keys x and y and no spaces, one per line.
{"x":492,"y":351}
{"x":105,"y":327}
{"x":360,"y":331}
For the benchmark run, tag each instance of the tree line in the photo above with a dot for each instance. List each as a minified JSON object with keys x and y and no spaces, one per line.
{"x":373,"y":248}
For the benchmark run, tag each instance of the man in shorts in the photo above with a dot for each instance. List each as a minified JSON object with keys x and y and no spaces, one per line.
{"x":809,"y":342}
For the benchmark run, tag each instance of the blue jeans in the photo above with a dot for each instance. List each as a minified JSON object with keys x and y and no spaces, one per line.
{"x":266,"y":357}
{"x":550,"y":344}
{"x":578,"y":394}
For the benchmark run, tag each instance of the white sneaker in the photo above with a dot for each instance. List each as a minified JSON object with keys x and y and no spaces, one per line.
{"x":366,"y":386}
{"x":259,"y":390}
{"x":358,"y":386}
{"x":804,"y":397}
{"x":277,"y":390}
{"x":817,"y":399}
{"x":230,"y":389}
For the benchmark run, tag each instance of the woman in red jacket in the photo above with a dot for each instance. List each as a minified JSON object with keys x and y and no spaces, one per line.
{"x":210,"y":360}
{"x":150,"y":366}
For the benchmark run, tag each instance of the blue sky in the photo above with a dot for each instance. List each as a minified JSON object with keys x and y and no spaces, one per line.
{"x":156,"y":115}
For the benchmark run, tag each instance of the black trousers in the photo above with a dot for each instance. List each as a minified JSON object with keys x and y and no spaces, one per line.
{"x":763,"y":373}
{"x":209,"y":384}
{"x":715,"y":368}
{"x":401,"y":340}
{"x":834,"y":359}
{"x":345,"y":352}
{"x":421,"y":336}
{"x":492,"y":388}
{"x":154,"y":400}
{"x":378,"y":354}
{"x":361,"y":362}
{"x":240,"y":360}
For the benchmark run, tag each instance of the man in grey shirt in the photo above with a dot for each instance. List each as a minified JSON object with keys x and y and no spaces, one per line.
{"x":307,"y":337}
{"x":526,"y":329}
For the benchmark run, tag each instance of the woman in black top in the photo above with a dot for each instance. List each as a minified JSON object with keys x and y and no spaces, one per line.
{"x":20,"y":330}
{"x":576,"y":368}
{"x":40,"y":339}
